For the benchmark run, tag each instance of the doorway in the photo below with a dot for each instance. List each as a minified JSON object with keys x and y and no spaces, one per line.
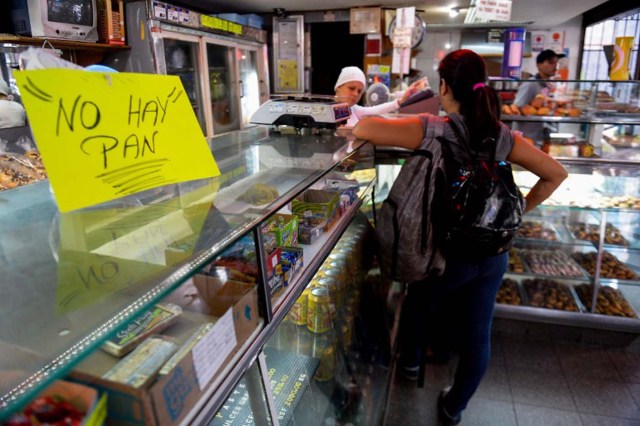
{"x":332,"y":48}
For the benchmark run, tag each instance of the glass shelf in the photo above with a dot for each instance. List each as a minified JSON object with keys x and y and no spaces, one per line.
{"x":76,"y":277}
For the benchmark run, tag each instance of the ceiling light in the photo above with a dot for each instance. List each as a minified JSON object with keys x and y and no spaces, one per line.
{"x":453,"y":12}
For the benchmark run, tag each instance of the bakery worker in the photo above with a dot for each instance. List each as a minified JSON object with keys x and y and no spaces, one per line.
{"x":350,"y":86}
{"x":547,"y":63}
{"x":12,"y":113}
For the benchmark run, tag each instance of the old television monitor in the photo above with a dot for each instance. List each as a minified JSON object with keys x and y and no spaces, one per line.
{"x":64,"y":19}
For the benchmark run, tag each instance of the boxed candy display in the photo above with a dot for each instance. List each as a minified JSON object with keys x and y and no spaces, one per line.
{"x":316,"y":207}
{"x":284,"y":228}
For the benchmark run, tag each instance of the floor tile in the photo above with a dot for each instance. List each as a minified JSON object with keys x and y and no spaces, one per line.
{"x":488,"y":412}
{"x":627,"y":364}
{"x":532,"y":356}
{"x":540,"y":388}
{"x":586,"y":362}
{"x":591,"y":420}
{"x":603,"y":397}
{"x":530,"y":415}
{"x":410,"y":405}
{"x":495,"y":383}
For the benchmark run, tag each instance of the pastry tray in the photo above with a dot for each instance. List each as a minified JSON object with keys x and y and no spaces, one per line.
{"x":570,"y":267}
{"x":566,"y":286}
{"x":610,"y":310}
{"x":552,"y":229}
{"x":595,"y":227}
{"x":518,"y":289}
{"x":616,"y":253}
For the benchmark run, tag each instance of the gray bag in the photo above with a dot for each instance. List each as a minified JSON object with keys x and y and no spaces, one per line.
{"x":407,"y":228}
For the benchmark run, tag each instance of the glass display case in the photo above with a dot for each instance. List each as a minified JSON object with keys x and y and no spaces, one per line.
{"x":576,"y":118}
{"x":198,"y":257}
{"x":584,"y":237}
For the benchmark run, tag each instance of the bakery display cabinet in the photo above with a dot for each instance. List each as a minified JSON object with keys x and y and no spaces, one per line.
{"x":577,"y":118}
{"x":173,"y":300}
{"x":576,"y":259}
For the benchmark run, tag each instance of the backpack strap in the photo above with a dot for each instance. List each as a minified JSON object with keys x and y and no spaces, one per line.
{"x":433,"y":128}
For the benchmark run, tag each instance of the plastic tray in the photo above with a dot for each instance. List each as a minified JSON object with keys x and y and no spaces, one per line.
{"x":544,"y":285}
{"x":505,"y":293}
{"x":559,"y":264}
{"x":551,"y":233}
{"x":616,"y":304}
{"x":613,"y":268}
{"x":613,"y":235}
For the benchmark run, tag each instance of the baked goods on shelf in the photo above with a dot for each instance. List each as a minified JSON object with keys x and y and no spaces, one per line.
{"x":509,"y":293}
{"x":611,"y":267}
{"x":259,"y":193}
{"x":610,"y":301}
{"x":537,"y":230}
{"x":550,"y":294}
{"x":591,"y":232}
{"x":515,"y":261}
{"x":552,"y":262}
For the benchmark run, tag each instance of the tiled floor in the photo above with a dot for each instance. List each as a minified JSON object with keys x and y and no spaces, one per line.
{"x":537,"y":379}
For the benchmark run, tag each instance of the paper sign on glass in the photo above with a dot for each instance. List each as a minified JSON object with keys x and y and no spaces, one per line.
{"x":103,"y":136}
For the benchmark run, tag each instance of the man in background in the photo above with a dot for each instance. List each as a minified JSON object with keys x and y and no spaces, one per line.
{"x":547,"y":63}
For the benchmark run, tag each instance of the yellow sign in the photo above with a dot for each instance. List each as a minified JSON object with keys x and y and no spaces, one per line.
{"x":103,"y":136}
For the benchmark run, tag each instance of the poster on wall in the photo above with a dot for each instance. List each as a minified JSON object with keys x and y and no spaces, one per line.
{"x":538,"y":39}
{"x":556,"y":41}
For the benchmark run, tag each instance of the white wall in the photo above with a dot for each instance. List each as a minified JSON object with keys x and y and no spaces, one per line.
{"x":433,"y":44}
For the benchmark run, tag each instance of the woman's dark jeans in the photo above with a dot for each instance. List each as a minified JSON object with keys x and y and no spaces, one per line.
{"x":454,"y":311}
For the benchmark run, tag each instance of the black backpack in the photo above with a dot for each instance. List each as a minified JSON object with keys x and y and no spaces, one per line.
{"x":409,"y":223}
{"x":485,"y":204}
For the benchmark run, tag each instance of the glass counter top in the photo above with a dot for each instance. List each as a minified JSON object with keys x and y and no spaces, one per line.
{"x":69,"y":280}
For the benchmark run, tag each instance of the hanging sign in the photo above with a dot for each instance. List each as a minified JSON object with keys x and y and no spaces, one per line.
{"x":103,"y":136}
{"x":493,"y":10}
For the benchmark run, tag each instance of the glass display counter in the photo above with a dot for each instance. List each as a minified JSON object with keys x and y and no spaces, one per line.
{"x":578,"y":118}
{"x":72,"y":282}
{"x":584,"y":237}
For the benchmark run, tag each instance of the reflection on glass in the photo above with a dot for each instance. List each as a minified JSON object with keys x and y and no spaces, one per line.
{"x":327,"y":359}
{"x":250,"y":86}
{"x":247,"y":404}
{"x":181,"y":58}
{"x":223,"y":88}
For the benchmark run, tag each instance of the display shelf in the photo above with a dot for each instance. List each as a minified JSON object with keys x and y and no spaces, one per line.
{"x":59,"y":43}
{"x":587,"y":119}
{"x":59,"y":268}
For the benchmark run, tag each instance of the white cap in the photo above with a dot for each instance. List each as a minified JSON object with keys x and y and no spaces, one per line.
{"x":350,"y":74}
{"x":4,"y":87}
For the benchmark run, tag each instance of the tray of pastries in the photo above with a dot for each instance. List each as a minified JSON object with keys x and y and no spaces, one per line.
{"x":509,"y":293}
{"x":591,"y":232}
{"x":516,"y":263}
{"x":610,"y":301}
{"x":538,"y":230}
{"x":554,"y":263}
{"x":551,"y":294}
{"x":611,"y":266}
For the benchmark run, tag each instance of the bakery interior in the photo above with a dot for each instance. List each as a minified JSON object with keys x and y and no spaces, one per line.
{"x":254,"y":297}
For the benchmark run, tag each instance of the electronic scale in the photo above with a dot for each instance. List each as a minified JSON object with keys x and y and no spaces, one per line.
{"x":315,"y":111}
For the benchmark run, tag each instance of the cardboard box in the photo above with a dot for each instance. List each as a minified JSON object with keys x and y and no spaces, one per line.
{"x":169,"y":398}
{"x":219,"y":295}
{"x":316,"y":204}
{"x":284,"y":227}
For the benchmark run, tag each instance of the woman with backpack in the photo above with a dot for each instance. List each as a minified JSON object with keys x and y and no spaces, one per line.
{"x":465,"y":292}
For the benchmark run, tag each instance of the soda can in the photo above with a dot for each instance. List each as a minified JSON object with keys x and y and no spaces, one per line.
{"x":327,"y":365}
{"x":318,"y":310}
{"x":335,"y":282}
{"x":298,"y":312}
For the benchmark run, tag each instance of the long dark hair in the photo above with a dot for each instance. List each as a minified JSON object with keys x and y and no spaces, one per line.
{"x":465,"y":73}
